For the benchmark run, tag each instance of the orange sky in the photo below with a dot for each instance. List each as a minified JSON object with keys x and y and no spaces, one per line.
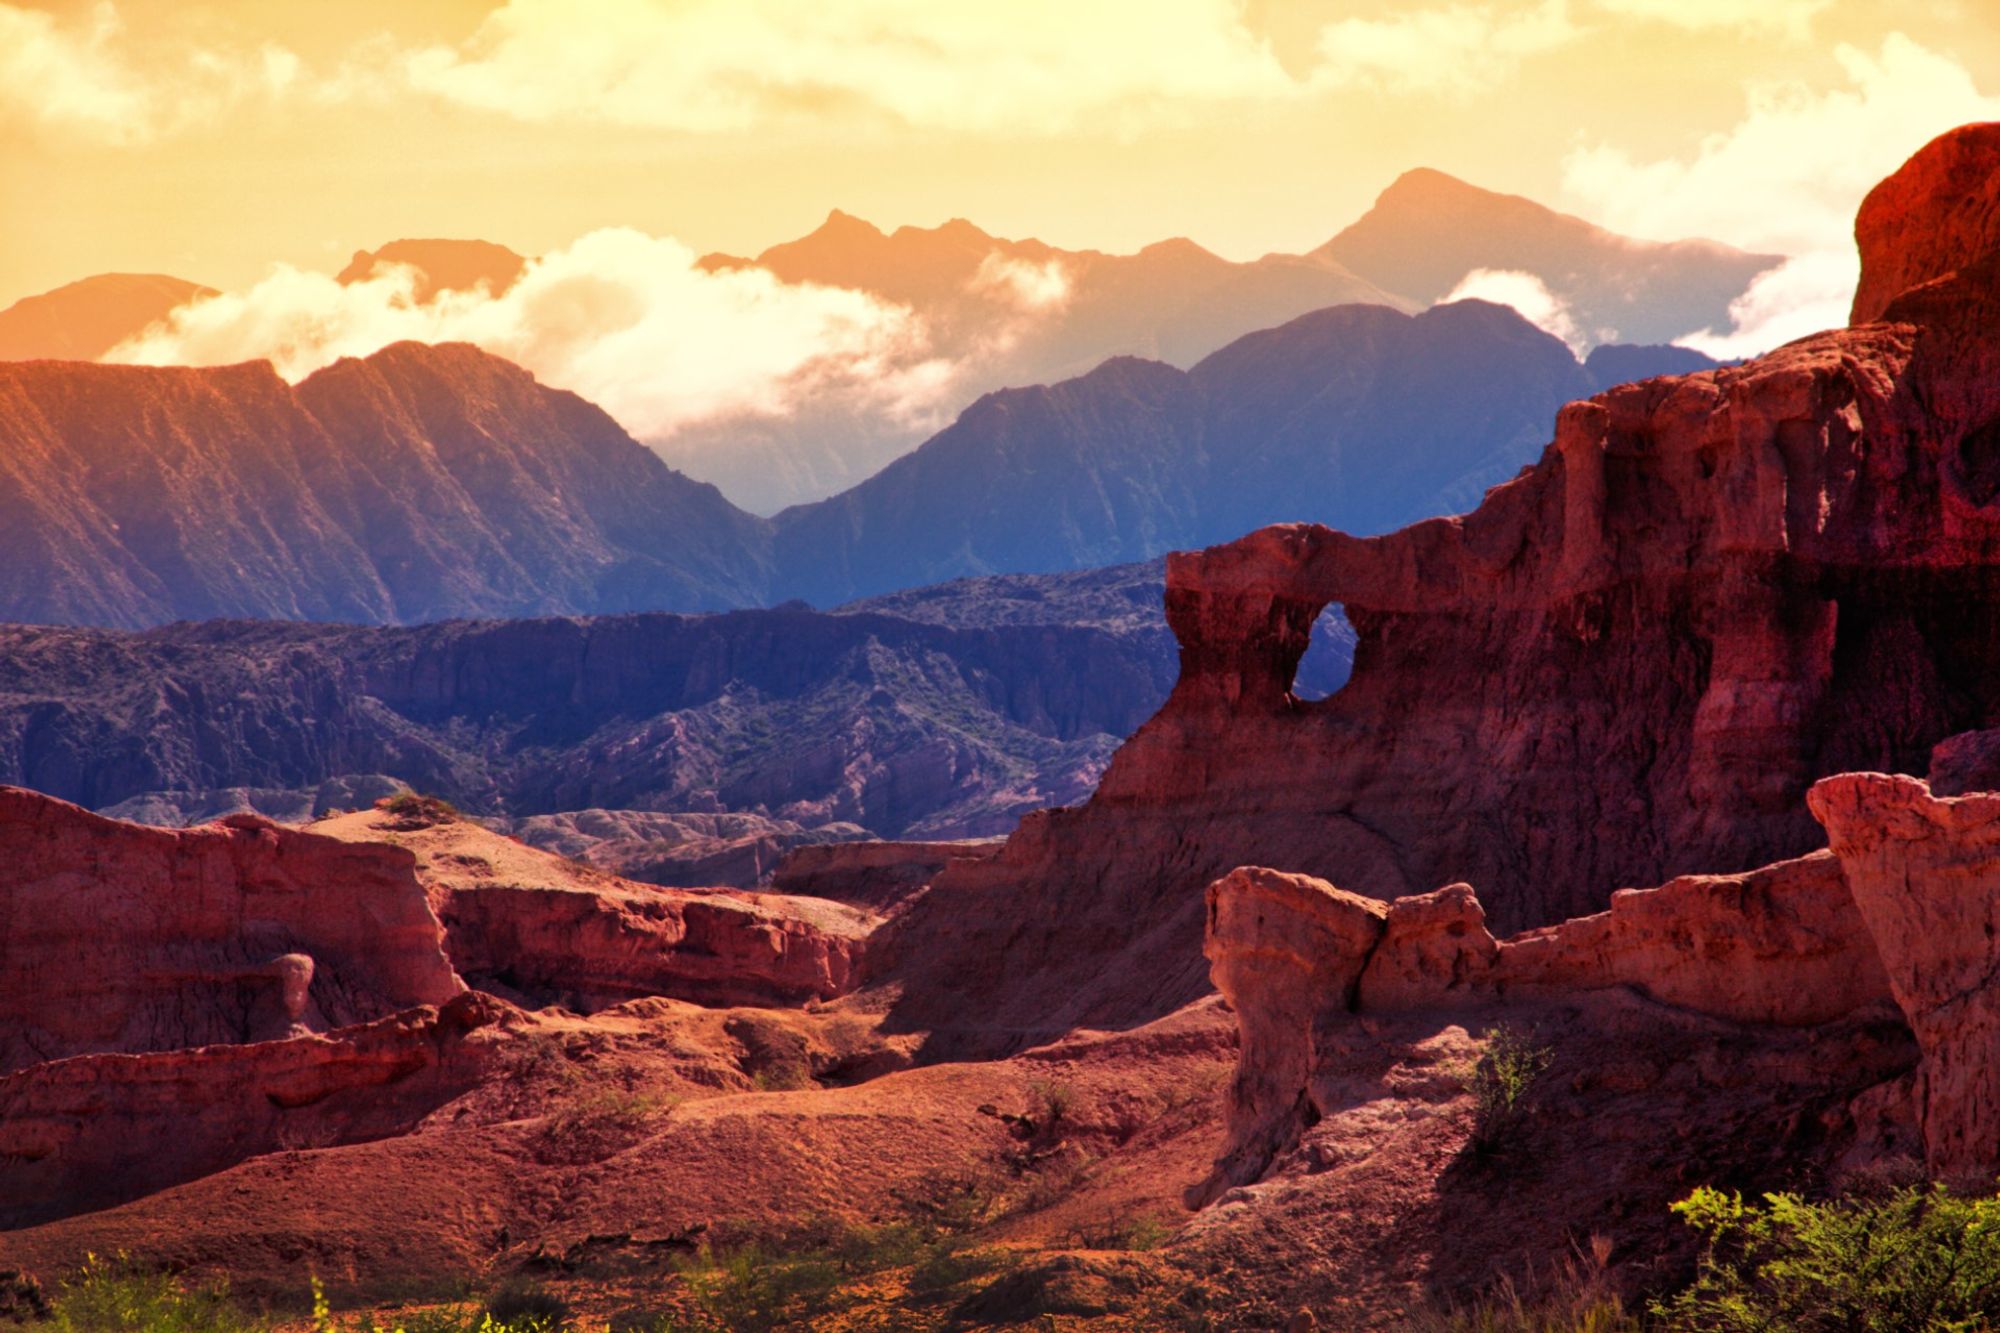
{"x":209,"y":140}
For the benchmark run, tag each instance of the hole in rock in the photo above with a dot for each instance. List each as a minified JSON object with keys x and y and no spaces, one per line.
{"x":1329,"y":657}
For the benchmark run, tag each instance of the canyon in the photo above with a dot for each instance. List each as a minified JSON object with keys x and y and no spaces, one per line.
{"x":1671,"y":760}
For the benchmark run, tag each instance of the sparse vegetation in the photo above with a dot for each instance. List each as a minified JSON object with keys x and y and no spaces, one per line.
{"x":596,"y":1125}
{"x":410,"y":812}
{"x":1499,"y":1082}
{"x":1916,"y":1259}
{"x":117,"y":1296}
{"x":520,"y":1304}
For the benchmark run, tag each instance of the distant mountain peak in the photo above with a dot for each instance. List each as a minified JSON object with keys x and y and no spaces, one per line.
{"x":444,"y":264}
{"x":82,"y":320}
{"x":841,"y":224}
{"x":1428,"y":230}
{"x":1178,"y":247}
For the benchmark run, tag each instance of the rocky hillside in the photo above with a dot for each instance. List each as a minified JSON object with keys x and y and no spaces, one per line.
{"x":895,"y":725}
{"x":427,"y":482}
{"x":419,"y":483}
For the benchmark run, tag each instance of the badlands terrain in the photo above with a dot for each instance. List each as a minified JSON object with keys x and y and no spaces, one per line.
{"x":1662,"y":778}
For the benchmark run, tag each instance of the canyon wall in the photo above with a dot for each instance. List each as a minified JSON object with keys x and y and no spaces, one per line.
{"x":119,"y":938}
{"x":1628,"y":664}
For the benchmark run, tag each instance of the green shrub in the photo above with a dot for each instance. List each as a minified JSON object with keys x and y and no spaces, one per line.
{"x":1918,"y":1258}
{"x":1499,"y":1083}
{"x":753,"y":1290}
{"x":413,"y":812}
{"x":118,"y":1296}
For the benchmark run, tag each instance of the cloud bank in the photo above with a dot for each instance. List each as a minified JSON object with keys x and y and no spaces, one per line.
{"x":724,"y":66}
{"x":625,"y":319}
{"x":81,"y":79}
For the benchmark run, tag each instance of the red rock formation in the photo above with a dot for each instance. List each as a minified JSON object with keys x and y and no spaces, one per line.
{"x":1925,"y":874}
{"x":533,"y":926}
{"x":597,"y":948}
{"x":95,"y":1130}
{"x":1783,"y":946}
{"x":1937,"y":214}
{"x":1628,"y":664}
{"x":125,"y":938}
{"x":1283,"y":950}
{"x":876,"y":875}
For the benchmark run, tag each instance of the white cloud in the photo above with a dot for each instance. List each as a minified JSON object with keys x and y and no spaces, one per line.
{"x":1527,"y":295}
{"x":1457,"y":50}
{"x":1789,"y":176}
{"x":85,"y":79}
{"x":705,"y":66}
{"x":1022,"y":283}
{"x":625,"y":319}
{"x":1800,"y":296}
{"x":1787,"y":18}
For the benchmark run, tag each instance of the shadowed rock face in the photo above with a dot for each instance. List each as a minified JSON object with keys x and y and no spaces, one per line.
{"x":1628,"y":664}
{"x":1904,"y":907}
{"x":901,"y":727}
{"x":1307,"y":967}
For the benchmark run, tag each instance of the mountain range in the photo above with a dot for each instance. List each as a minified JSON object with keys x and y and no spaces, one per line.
{"x":420,"y":483}
{"x":434,"y":481}
{"x":1004,"y":313}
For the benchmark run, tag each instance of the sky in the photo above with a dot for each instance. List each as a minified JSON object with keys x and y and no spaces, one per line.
{"x":255,"y":145}
{"x":210,"y":140}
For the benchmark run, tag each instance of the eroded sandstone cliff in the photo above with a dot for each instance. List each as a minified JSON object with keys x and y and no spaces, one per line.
{"x":1629,"y":663}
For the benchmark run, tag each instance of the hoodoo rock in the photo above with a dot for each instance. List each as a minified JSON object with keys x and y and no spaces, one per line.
{"x":1925,"y":873}
{"x":121,"y":938}
{"x":1628,"y":664}
{"x":1282,"y":949}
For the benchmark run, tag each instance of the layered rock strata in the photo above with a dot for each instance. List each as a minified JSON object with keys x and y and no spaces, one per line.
{"x":115,"y":937}
{"x":539,"y":929}
{"x":95,"y":1130}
